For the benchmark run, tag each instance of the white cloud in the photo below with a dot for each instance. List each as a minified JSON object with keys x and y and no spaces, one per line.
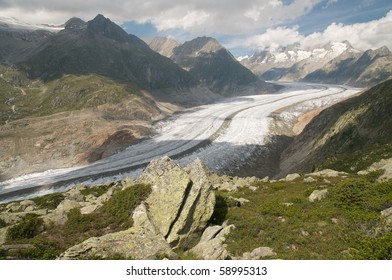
{"x":368,"y":35}
{"x":330,"y":3}
{"x":227,"y":17}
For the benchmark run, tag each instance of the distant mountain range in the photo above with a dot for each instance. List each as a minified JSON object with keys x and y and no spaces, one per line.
{"x":335,"y":62}
{"x":212,"y":65}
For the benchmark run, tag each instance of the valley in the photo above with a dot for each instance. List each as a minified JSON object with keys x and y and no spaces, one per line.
{"x":224,"y":135}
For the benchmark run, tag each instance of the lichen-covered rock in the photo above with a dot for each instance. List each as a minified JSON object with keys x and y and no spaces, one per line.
{"x":196,"y":210}
{"x":142,"y":241}
{"x":181,"y":202}
{"x":59,"y":216}
{"x":3,"y":234}
{"x":212,"y":243}
{"x":170,"y":184}
{"x":318,"y":195}
{"x":387,"y":214}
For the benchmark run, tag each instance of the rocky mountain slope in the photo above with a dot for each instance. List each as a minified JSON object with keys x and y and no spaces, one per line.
{"x":19,"y":41}
{"x":213,"y":66}
{"x":349,"y":136}
{"x":163,"y":45}
{"x":293,"y":62}
{"x":334,"y":63}
{"x":102,"y":47}
{"x":370,"y":68}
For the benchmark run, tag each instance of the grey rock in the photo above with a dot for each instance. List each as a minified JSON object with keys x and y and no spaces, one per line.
{"x":197,"y":209}
{"x":88,"y":209}
{"x":309,"y":180}
{"x":3,"y":233}
{"x":181,"y":202}
{"x":170,"y":185}
{"x":387,"y":213}
{"x":59,"y":215}
{"x":27,"y":205}
{"x":259,"y":253}
{"x":211,"y":245}
{"x":328,"y":173}
{"x":292,"y":177}
{"x":318,"y":195}
{"x":228,"y":186}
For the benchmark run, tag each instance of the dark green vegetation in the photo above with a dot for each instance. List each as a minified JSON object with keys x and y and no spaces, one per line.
{"x":30,"y":226}
{"x":2,"y":223}
{"x":49,"y":201}
{"x":348,"y":136}
{"x":48,"y":242}
{"x":345,"y":225}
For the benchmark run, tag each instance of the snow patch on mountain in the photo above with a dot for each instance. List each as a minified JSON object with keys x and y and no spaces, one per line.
{"x":15,"y":24}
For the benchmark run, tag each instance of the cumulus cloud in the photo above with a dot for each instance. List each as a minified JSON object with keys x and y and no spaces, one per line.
{"x":228,"y":17}
{"x":363,"y":36}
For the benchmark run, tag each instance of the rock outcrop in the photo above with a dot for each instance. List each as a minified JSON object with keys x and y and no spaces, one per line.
{"x":182,"y":200}
{"x":174,"y":215}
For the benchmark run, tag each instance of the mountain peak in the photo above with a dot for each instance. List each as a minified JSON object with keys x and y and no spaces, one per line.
{"x":104,"y":26}
{"x":75,"y":23}
{"x":197,"y":46}
{"x":163,"y":45}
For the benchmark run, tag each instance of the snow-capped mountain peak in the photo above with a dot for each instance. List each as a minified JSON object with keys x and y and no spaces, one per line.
{"x":15,"y":24}
{"x":306,"y":58}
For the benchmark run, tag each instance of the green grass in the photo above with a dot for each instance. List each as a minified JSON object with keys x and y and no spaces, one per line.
{"x":307,"y":230}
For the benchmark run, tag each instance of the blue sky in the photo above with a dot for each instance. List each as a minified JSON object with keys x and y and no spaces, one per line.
{"x":243,"y":26}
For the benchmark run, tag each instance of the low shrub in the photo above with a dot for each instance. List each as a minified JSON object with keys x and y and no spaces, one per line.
{"x":28,"y":227}
{"x":2,"y":223}
{"x":49,"y":201}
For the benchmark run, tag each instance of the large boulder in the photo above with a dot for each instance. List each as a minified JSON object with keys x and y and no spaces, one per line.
{"x":181,"y":202}
{"x":170,"y":185}
{"x":174,"y":215}
{"x":197,"y":209}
